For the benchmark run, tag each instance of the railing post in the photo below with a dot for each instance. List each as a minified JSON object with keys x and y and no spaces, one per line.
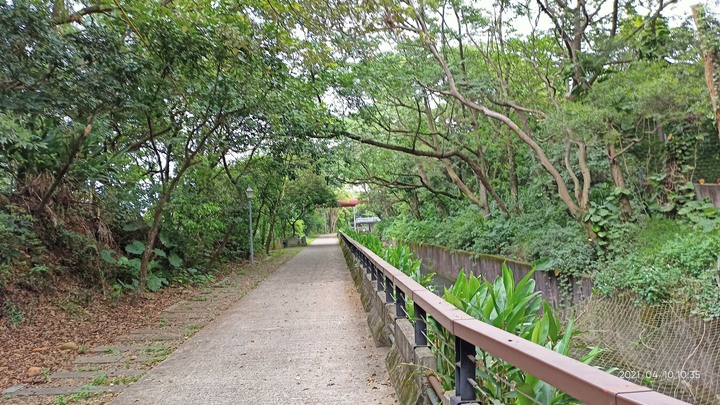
{"x":420,"y":325}
{"x":464,"y":371}
{"x":399,"y":303}
{"x":389,"y":291}
{"x":373,"y":271}
{"x":380,"y":277}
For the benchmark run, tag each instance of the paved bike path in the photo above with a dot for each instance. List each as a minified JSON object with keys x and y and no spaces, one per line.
{"x":300,"y":337}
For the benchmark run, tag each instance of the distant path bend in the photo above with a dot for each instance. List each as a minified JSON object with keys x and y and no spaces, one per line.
{"x":300,"y":337}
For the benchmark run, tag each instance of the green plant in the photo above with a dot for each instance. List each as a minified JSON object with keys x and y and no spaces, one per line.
{"x":13,"y":314}
{"x":161,"y":351}
{"x":605,"y":218}
{"x":399,"y":256}
{"x":86,"y":392}
{"x":682,"y":201}
{"x":193,"y":275}
{"x":667,"y":263}
{"x":518,"y":309}
{"x":565,"y":252}
{"x":38,"y":270}
{"x":102,"y":379}
{"x":192,"y":329}
{"x":123,"y":380}
{"x":155,"y":279}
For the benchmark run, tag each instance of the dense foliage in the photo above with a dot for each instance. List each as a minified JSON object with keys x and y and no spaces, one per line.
{"x":504,"y":303}
{"x":519,"y":309}
{"x":547,"y":130}
{"x":482,"y":130}
{"x":398,"y":256}
{"x":130,"y":132}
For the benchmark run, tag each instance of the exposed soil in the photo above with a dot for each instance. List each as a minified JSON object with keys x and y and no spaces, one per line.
{"x":52,"y":320}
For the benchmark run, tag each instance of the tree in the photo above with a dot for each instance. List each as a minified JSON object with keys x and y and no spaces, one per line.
{"x":709,"y":29}
{"x":304,"y":193}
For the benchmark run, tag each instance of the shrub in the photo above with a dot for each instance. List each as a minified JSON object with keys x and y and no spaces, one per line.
{"x":18,"y":242}
{"x":564,"y":249}
{"x":676,"y":264}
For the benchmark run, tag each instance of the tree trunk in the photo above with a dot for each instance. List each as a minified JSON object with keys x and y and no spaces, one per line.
{"x":619,"y":180}
{"x":256,"y":220}
{"x":484,"y":200}
{"x":58,"y":178}
{"x":160,"y":206}
{"x":334,"y":215}
{"x":150,"y":244}
{"x":221,"y":247}
{"x":711,"y":58}
{"x":271,"y":235}
{"x":453,"y":91}
{"x":589,"y":232}
{"x":263,"y":231}
{"x":513,"y":176}
{"x":482,"y":203}
{"x":273,"y":216}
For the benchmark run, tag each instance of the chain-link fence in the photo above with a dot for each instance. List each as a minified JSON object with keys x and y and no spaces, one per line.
{"x":666,"y":348}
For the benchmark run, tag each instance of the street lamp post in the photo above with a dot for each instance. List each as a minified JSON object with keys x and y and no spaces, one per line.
{"x":250,"y":194}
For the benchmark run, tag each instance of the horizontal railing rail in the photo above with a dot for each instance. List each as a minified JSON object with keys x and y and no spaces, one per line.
{"x":583,"y":382}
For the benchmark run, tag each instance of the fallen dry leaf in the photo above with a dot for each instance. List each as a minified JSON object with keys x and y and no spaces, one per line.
{"x":68,"y":346}
{"x":33,"y":371}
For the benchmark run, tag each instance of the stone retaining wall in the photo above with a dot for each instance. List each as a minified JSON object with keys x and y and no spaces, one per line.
{"x":448,"y":263}
{"x":408,"y":364}
{"x":711,"y":191}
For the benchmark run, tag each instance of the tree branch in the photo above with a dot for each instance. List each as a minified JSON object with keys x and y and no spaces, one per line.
{"x":78,"y":16}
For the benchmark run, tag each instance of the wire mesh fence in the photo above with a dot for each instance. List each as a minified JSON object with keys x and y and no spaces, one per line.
{"x":666,"y":348}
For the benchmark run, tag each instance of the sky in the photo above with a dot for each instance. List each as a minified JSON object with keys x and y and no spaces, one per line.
{"x":676,"y":13}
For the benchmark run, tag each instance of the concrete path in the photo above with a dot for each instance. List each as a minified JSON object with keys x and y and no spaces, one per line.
{"x":300,"y":337}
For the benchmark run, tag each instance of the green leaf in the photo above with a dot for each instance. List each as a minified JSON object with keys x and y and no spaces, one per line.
{"x":529,"y":392}
{"x":154,"y":282}
{"x":564,"y":346}
{"x":508,"y":281}
{"x":159,"y":252}
{"x":165,"y":240}
{"x":552,"y":322}
{"x":133,"y":226}
{"x":543,"y":264}
{"x":136,"y":247}
{"x":175,"y":260}
{"x":107,"y":256}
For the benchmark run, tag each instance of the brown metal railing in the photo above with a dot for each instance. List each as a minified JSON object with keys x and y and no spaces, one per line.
{"x":581,"y":381}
